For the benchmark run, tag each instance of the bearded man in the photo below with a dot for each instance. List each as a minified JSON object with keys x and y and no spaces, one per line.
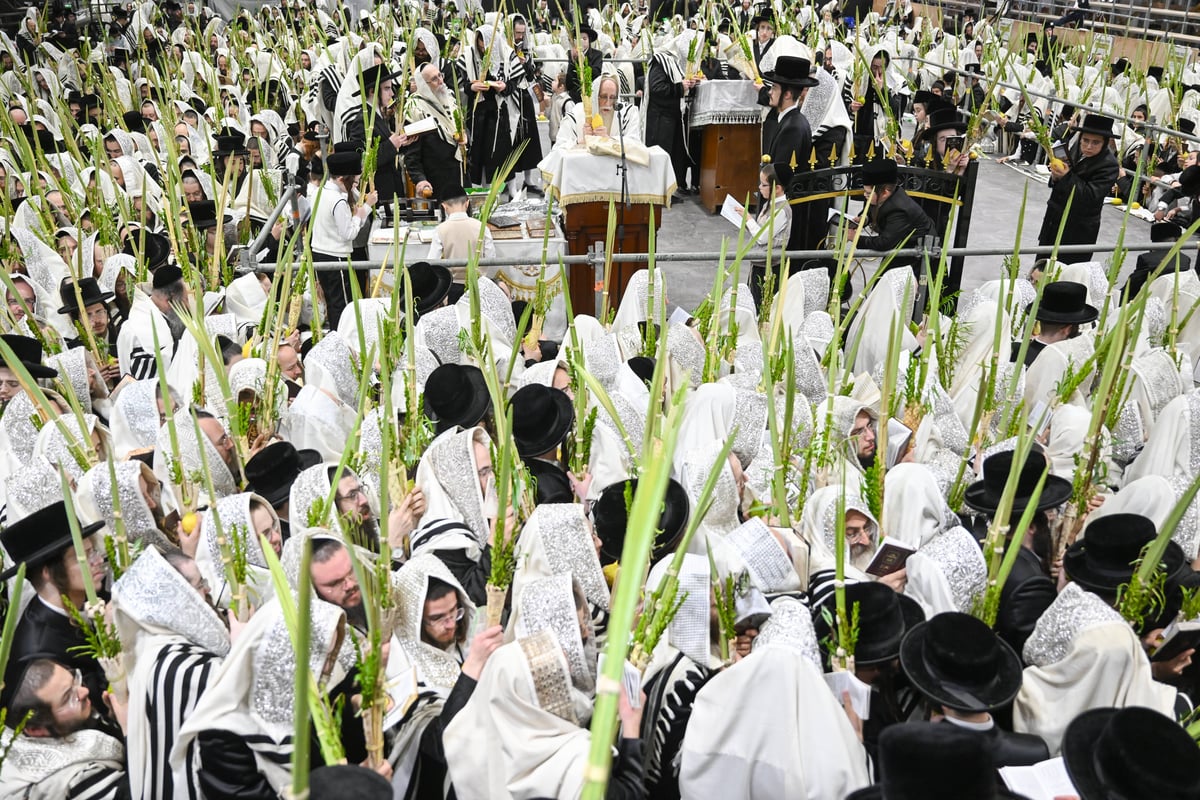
{"x":435,"y":160}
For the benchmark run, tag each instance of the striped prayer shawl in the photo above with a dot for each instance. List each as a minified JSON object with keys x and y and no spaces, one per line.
{"x":181,"y":673}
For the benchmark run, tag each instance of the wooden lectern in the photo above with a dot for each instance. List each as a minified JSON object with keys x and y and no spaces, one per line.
{"x":584,"y":185}
{"x":587,"y":223}
{"x":729,"y":163}
{"x":729,"y":119}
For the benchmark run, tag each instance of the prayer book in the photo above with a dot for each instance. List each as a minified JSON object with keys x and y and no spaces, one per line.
{"x":420,"y":126}
{"x":1180,"y":635}
{"x":631,"y":680}
{"x":1042,"y":781}
{"x":891,"y":557}
{"x":860,"y":693}
{"x":899,"y":436}
{"x":735,"y":212}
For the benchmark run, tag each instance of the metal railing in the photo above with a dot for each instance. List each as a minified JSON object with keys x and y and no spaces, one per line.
{"x":595,"y":257}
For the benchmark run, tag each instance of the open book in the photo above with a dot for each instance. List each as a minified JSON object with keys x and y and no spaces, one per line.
{"x":891,"y":557}
{"x":420,"y":126}
{"x":1180,"y":635}
{"x":1043,"y":781}
{"x":735,"y":212}
{"x":899,"y":436}
{"x":631,"y":680}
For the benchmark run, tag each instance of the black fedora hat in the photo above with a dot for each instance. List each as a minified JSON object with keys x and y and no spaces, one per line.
{"x":1130,"y":753}
{"x":925,"y":96}
{"x":541,"y":418}
{"x":934,"y":761}
{"x":375,"y":76}
{"x":230,"y":142}
{"x":609,"y":516}
{"x":1165,"y":231}
{"x":880,"y":172}
{"x":166,"y":276}
{"x":1065,"y":302}
{"x":1189,"y":181}
{"x":203,"y":214}
{"x":40,"y":537}
{"x":943,"y":118}
{"x":1155,"y":72}
{"x":29,"y":352}
{"x":337,"y":781}
{"x":430,"y":285}
{"x":551,"y":484}
{"x":89,"y":289}
{"x":883,"y":618}
{"x":1104,"y":557}
{"x":974,"y":68}
{"x":156,"y":251}
{"x":791,"y":71}
{"x":763,"y":14}
{"x":271,"y":471}
{"x":345,"y":163}
{"x":957,"y":661}
{"x":1096,"y":124}
{"x":456,"y":394}
{"x":984,"y":495}
{"x":587,"y":30}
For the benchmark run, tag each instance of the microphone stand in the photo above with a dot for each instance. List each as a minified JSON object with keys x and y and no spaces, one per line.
{"x":623,"y":171}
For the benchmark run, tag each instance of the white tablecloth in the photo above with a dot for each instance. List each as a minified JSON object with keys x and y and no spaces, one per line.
{"x":577,"y":176}
{"x":726,"y":103}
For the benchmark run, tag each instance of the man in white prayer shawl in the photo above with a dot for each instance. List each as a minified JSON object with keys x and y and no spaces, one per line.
{"x":618,"y":121}
{"x":152,"y":315}
{"x":810,"y":750}
{"x":64,"y":751}
{"x":173,"y":643}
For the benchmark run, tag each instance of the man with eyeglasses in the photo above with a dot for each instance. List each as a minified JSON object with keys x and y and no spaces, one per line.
{"x":42,"y":541}
{"x":358,"y":517}
{"x":66,"y":749}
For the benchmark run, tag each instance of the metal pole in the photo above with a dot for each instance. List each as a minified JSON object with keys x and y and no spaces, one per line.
{"x":642,"y":258}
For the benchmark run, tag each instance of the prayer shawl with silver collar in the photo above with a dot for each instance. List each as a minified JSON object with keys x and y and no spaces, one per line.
{"x":89,"y":765}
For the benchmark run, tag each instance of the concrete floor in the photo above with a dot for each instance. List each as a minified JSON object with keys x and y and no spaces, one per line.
{"x":688,"y":228}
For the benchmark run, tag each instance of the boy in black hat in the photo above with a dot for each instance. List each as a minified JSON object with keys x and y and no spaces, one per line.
{"x":458,"y":235}
{"x":1087,"y":177}
{"x":95,"y":307}
{"x":337,"y":219}
{"x":894,"y":215}
{"x":29,"y":352}
{"x":582,"y":47}
{"x":271,"y":472}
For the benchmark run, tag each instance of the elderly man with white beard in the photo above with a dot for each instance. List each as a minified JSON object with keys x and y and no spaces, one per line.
{"x":619,"y":120}
{"x":435,"y":160}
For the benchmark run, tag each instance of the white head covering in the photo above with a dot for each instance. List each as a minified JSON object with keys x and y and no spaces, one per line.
{"x":1083,"y":655}
{"x":947,"y":574}
{"x":810,"y":751}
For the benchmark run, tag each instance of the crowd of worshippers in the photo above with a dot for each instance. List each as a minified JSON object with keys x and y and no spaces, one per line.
{"x":156,"y":409}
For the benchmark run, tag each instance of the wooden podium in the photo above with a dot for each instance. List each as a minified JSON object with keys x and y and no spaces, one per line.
{"x":587,"y":223}
{"x":729,"y":163}
{"x":583,"y":185}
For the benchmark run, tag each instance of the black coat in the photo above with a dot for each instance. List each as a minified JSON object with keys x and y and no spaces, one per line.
{"x":1089,"y":181}
{"x":1146,"y":264}
{"x":431,"y":158}
{"x":664,"y":115}
{"x":595,"y":60}
{"x":787,"y":140}
{"x":44,"y":632}
{"x":1027,"y":594}
{"x":1031,"y":353}
{"x":387,"y":175}
{"x":894,"y":220}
